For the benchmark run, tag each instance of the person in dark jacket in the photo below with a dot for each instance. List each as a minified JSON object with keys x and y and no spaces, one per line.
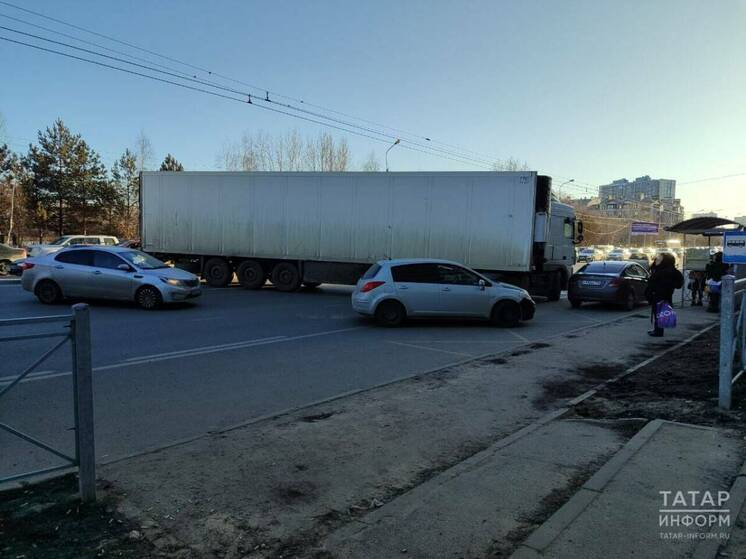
{"x":664,"y":280}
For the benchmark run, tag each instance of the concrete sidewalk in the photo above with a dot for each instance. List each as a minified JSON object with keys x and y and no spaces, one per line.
{"x":462,"y":462}
{"x":620,"y":513}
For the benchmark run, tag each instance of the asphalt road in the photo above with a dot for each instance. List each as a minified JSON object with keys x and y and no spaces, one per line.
{"x":233,"y":355}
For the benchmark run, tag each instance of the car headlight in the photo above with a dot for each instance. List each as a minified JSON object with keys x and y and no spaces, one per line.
{"x":172,"y":281}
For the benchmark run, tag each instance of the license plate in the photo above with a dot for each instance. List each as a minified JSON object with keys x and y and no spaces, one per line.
{"x":592,"y":283}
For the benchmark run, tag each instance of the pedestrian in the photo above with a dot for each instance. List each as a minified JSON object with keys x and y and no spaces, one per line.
{"x":697,"y":286}
{"x":664,"y":280}
{"x":714,"y":272}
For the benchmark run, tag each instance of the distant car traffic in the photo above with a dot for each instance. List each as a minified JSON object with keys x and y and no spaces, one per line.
{"x":394,"y":290}
{"x":107,"y":273}
{"x":8,"y":257}
{"x":618,"y":254}
{"x":640,"y":257}
{"x":590,"y":254}
{"x":618,"y":282}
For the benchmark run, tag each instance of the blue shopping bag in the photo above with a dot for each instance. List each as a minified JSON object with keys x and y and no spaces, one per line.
{"x":665,"y":316}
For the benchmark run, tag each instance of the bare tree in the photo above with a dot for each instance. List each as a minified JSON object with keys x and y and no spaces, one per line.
{"x":371,"y":164}
{"x":510,"y":164}
{"x":289,"y":152}
{"x":143,"y":152}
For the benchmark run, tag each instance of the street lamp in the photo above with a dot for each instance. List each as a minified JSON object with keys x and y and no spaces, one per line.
{"x":387,"y":153}
{"x":559,"y":190}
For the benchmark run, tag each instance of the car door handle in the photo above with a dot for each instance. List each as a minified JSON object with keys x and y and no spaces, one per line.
{"x":446,"y":289}
{"x":59,"y":267}
{"x":402,"y":287}
{"x":96,"y":272}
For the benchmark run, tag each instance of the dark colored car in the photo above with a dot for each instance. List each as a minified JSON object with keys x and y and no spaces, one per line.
{"x":618,"y":282}
{"x":130,"y":243}
{"x":8,"y":257}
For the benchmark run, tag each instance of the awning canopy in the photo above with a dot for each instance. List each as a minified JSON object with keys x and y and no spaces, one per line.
{"x":708,"y":226}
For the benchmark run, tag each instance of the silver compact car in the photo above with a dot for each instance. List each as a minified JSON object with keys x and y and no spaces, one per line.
{"x":107,"y":273}
{"x":394,"y":290}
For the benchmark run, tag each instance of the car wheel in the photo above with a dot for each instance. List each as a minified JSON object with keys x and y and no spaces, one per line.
{"x":218,"y":272}
{"x":506,"y":314}
{"x":4,"y":268}
{"x":148,"y":298}
{"x":251,"y":274}
{"x":48,"y":292}
{"x":575,"y":303}
{"x":629,"y":300}
{"x":285,"y":277}
{"x":390,"y":313}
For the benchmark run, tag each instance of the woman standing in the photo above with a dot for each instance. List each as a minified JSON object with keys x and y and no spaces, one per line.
{"x":664,"y":280}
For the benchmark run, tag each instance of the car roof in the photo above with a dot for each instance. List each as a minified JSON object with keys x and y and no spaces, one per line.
{"x":112,"y":248}
{"x":404,"y":261}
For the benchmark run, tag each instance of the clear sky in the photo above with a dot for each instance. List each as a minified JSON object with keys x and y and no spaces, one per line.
{"x":588,"y":89}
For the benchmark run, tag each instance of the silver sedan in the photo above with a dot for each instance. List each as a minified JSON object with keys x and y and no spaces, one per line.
{"x":107,"y":273}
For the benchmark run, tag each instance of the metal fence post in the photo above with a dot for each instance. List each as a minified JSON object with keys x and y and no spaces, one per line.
{"x":727,"y":306}
{"x":85,"y":448}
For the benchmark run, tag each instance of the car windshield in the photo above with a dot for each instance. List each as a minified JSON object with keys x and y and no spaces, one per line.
{"x":59,"y":241}
{"x":142,"y":260}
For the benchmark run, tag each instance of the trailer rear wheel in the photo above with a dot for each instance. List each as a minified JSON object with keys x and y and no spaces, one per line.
{"x":218,"y":272}
{"x":251,"y":274}
{"x":285,"y":277}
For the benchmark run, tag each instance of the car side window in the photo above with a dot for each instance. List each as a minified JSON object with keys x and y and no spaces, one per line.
{"x":79,"y":257}
{"x":107,"y":260}
{"x":108,"y":241}
{"x":415,"y":273}
{"x":74,"y":241}
{"x":92,"y":241}
{"x":454,"y":275}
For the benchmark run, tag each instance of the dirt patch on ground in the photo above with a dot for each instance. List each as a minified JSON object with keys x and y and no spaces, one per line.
{"x":48,"y":520}
{"x":576,"y":382}
{"x":680,"y":386}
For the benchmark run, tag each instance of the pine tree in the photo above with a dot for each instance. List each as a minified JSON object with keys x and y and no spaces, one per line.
{"x":68,"y":182}
{"x":171,"y":164}
{"x":126,"y":182}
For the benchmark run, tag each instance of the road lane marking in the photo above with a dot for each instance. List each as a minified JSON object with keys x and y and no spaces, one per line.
{"x":198,"y":349}
{"x":142,"y":360}
{"x":430,"y":348}
{"x":518,"y":336}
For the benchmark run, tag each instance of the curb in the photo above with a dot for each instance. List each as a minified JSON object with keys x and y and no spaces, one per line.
{"x":708,"y":549}
{"x":10,"y":281}
{"x":545,"y":534}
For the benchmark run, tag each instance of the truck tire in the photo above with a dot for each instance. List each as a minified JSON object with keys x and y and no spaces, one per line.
{"x":506,"y":314}
{"x":555,"y":286}
{"x":390,"y":313}
{"x":286,"y":277}
{"x":251,"y":274}
{"x":48,"y":292}
{"x":217,"y":272}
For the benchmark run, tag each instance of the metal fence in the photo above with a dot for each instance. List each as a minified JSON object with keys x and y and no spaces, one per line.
{"x":732,"y":336}
{"x":78,"y":333}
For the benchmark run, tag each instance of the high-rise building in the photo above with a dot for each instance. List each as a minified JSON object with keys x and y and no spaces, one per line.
{"x":643,"y":199}
{"x":641,"y":187}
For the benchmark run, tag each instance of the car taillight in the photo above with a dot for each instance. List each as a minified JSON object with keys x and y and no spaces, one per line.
{"x":616,"y":282}
{"x":371,"y":285}
{"x":26,"y":265}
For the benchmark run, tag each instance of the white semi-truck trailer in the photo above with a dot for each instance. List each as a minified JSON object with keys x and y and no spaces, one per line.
{"x":296,"y":229}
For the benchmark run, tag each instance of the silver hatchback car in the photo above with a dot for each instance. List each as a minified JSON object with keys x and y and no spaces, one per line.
{"x":107,"y":273}
{"x":393,"y":290}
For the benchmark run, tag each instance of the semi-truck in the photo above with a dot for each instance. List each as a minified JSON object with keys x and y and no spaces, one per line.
{"x":304,"y":229}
